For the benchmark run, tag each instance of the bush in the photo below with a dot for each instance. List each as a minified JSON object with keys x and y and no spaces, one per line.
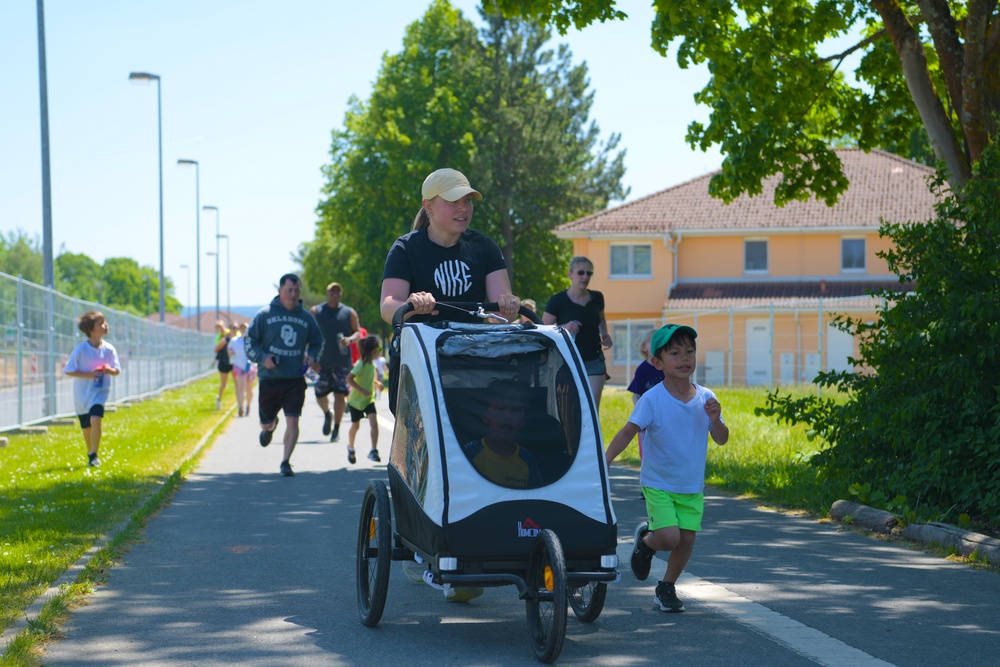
{"x":921,"y":424}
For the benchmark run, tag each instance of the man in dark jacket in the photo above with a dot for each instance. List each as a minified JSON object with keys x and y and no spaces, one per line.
{"x":284,"y":339}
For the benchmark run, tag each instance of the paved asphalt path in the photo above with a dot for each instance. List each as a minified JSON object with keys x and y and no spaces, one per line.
{"x":248,"y":568}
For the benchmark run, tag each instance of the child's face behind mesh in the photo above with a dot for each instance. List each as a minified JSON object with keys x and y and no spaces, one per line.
{"x":504,"y":418}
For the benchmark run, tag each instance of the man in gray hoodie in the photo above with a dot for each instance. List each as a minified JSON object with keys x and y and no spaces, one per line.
{"x":284,"y":339}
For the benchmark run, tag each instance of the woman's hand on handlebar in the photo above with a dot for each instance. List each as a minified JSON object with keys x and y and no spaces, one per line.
{"x":509,"y":306}
{"x":423,"y":303}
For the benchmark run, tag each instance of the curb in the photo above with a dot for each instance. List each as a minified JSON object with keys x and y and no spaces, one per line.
{"x":72,"y":572}
{"x":965,"y":542}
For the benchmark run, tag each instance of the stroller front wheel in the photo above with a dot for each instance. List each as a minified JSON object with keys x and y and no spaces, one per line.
{"x":374,"y":553}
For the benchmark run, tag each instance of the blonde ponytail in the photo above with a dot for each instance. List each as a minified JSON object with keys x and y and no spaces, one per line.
{"x":422,"y":220}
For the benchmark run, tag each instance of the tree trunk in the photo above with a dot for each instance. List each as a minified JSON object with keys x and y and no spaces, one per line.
{"x":911,"y":57}
{"x":975,"y":113}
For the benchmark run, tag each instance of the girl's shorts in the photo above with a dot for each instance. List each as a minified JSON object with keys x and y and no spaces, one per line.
{"x":666,"y":508}
{"x":358,"y":415}
{"x":95,"y":411}
{"x":596,"y":366}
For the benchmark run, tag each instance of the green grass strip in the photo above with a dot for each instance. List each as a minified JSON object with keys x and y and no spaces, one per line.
{"x":53,"y":508}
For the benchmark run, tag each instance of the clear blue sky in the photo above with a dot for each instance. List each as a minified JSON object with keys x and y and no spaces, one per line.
{"x":252,"y":89}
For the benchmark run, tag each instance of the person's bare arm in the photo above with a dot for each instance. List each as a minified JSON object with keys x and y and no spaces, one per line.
{"x":620,"y":441}
{"x":396,"y":294}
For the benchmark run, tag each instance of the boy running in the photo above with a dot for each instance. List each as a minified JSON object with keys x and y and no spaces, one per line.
{"x":677,"y":416}
{"x":92,"y":363}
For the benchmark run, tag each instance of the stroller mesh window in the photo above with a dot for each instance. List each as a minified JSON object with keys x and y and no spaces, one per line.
{"x":514,"y":407}
{"x":409,"y":441}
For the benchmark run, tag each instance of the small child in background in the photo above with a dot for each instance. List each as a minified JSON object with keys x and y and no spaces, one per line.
{"x":361,"y":402}
{"x":91,"y":363}
{"x":646,"y":377}
{"x":381,"y":366}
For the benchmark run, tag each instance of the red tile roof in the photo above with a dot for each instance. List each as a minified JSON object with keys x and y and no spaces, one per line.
{"x":799,"y":294}
{"x":881,"y":185}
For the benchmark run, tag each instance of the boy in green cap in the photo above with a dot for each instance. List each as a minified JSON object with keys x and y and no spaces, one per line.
{"x":677,"y":416}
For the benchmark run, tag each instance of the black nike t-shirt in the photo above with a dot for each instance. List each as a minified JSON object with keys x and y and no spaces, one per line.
{"x":457,"y":273}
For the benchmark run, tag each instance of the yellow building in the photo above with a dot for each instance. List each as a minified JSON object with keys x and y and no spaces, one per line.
{"x":760,"y":284}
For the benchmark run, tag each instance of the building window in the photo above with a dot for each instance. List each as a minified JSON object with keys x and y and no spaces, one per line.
{"x":852,"y":255}
{"x":754,"y":256}
{"x":631,"y":261}
{"x":626,"y":338}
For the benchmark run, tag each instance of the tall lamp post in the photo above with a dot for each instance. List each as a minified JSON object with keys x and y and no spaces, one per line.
{"x":229,"y":312}
{"x":197,"y":236}
{"x":218,"y":311}
{"x":146,"y":76}
{"x":48,"y":268}
{"x":188,"y":267}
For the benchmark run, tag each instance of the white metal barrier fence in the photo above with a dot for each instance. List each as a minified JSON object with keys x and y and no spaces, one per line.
{"x":40,"y":331}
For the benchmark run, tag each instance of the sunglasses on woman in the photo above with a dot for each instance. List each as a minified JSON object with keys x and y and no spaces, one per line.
{"x":584,"y":273}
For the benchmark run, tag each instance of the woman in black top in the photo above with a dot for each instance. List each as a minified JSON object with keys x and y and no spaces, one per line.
{"x":580,"y":311}
{"x":441,"y":259}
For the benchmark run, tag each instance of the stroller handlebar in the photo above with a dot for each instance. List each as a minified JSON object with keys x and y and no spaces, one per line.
{"x":478,"y":309}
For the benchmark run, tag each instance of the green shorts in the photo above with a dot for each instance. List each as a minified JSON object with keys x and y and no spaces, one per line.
{"x":665,"y":509}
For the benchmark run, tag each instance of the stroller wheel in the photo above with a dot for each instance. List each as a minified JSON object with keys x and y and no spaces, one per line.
{"x":588,"y":601}
{"x":546,"y":602}
{"x":374,"y":553}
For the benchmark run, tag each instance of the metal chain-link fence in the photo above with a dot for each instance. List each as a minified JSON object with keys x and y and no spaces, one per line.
{"x":40,"y":331}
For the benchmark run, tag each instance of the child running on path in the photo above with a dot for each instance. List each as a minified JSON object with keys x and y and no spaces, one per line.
{"x":91,"y":363}
{"x":677,"y":415}
{"x":361,"y":402}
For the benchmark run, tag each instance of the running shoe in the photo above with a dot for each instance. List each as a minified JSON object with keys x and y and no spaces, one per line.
{"x":666,"y":598}
{"x":327,"y":423}
{"x":351,"y":457}
{"x":462,"y":594}
{"x":335,"y":436}
{"x":265,"y":436}
{"x":286,"y":469}
{"x":373,"y":456}
{"x":642,"y":556}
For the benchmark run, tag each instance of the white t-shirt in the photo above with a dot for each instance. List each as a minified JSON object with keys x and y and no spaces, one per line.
{"x":239,"y":353}
{"x":86,"y":358}
{"x":675,"y":446}
{"x":380,"y":364}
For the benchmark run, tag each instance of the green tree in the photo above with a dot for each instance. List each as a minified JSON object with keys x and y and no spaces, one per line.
{"x":78,"y":275}
{"x":511,"y":116}
{"x":923,"y":426}
{"x":778,"y":98}
{"x":537,"y":156}
{"x":21,"y":255}
{"x":420,"y":117}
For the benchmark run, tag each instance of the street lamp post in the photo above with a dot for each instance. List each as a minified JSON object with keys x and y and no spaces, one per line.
{"x":218,"y":310}
{"x":188,"y":267}
{"x":229,"y":312}
{"x":146,"y":76}
{"x":197,"y":237}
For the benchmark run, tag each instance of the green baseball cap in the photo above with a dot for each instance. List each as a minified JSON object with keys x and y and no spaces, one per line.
{"x":666,"y":332}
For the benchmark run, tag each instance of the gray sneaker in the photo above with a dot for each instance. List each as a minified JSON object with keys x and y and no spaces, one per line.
{"x":642,"y":556}
{"x":666,"y":598}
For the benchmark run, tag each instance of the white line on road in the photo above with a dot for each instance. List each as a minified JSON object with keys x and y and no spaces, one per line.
{"x":808,"y":642}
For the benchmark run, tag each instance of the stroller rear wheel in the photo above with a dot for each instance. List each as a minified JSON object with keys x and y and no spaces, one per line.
{"x":374,"y":553}
{"x":588,"y":600}
{"x":546,"y":602}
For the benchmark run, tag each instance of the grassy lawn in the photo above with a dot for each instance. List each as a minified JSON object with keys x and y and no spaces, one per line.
{"x":53,"y":507}
{"x":762,"y":459}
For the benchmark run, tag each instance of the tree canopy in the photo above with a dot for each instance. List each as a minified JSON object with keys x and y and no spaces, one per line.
{"x":496,"y":106}
{"x":778,"y":96}
{"x":119,"y":283}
